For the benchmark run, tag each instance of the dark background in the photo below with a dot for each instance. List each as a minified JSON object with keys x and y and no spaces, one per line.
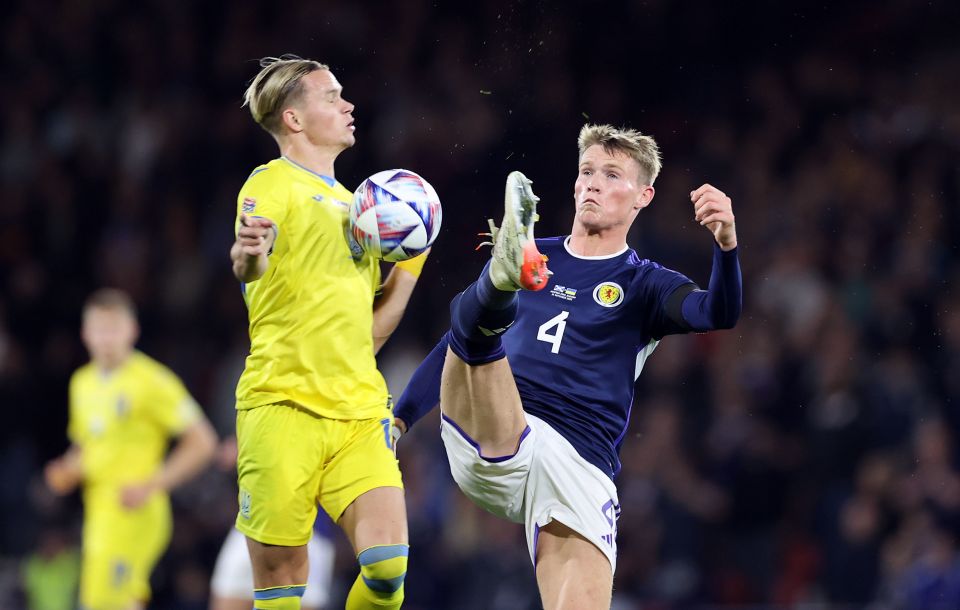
{"x":807,"y":456}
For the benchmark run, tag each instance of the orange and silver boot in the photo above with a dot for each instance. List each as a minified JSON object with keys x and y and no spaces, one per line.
{"x":517,"y":264}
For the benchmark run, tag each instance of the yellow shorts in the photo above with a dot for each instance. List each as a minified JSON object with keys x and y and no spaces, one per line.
{"x":120,"y":549}
{"x":291,"y":460}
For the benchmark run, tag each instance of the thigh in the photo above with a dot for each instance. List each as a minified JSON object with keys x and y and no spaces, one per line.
{"x":277,"y":566}
{"x":120,"y":549}
{"x":281,"y":451}
{"x":572,"y":572}
{"x":484,"y":402}
{"x":363,"y":461}
{"x":378,"y":517}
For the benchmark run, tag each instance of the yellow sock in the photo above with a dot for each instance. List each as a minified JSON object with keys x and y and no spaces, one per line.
{"x":278,"y":598}
{"x":380,"y":583}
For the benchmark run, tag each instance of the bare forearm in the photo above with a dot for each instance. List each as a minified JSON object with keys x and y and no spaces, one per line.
{"x":255,"y":238}
{"x":65,"y":473}
{"x":389,"y":307}
{"x":247,"y":268}
{"x":192,"y":453}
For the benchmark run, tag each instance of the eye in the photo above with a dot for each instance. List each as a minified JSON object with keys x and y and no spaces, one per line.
{"x":613,"y":176}
{"x":586,"y":172}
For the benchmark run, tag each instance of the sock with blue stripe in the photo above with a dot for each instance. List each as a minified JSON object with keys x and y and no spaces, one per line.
{"x":278,"y":598}
{"x":380,"y":583}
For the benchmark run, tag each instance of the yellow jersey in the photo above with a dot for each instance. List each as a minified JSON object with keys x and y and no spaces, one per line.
{"x":311,"y":313}
{"x":123,"y":420}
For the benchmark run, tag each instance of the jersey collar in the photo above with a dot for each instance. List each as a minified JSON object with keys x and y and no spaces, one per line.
{"x":328,"y":179}
{"x":566,"y":246}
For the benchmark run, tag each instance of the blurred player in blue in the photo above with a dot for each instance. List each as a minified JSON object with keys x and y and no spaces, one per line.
{"x":537,"y":380}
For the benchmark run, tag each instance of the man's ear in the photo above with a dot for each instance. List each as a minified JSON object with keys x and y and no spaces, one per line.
{"x":291,"y":119}
{"x":644,"y":197}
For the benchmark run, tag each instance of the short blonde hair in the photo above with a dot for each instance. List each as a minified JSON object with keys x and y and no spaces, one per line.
{"x":277,"y":85}
{"x":111,"y":299}
{"x":642,"y":149}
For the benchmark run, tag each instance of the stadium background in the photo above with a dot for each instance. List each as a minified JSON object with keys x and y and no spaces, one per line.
{"x":809,"y":455}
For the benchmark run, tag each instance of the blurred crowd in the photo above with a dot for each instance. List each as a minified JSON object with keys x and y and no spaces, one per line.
{"x":808,"y":456}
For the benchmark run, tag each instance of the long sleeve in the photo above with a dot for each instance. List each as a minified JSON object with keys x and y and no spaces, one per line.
{"x":423,"y":390}
{"x":719,"y":306}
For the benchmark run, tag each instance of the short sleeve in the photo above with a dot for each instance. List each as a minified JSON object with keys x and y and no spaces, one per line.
{"x":169,"y":403}
{"x":263,"y":195}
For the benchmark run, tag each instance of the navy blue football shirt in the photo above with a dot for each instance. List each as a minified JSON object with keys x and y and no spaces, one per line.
{"x":577,"y":346}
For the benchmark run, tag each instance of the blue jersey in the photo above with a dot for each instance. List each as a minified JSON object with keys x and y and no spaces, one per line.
{"x":577,"y":347}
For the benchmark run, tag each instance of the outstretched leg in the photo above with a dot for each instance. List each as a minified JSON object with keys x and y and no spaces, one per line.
{"x":477,"y":391}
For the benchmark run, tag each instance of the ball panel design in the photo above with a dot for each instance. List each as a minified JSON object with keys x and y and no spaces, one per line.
{"x":395,"y":215}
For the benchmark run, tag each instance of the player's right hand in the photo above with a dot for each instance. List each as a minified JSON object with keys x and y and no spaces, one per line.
{"x":61,"y":476}
{"x":256,"y":235}
{"x":226,"y":455}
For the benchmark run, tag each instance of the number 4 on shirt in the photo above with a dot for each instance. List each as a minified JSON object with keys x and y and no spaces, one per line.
{"x":560,"y":322}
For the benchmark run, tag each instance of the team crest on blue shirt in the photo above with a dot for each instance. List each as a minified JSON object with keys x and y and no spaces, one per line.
{"x":249,"y":205}
{"x":608,"y":294}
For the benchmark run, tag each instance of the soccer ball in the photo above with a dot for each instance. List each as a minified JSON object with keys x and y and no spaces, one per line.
{"x":395,"y":215}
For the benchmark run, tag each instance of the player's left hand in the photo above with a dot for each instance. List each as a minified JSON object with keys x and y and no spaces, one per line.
{"x":135,"y":496}
{"x":714,"y":210}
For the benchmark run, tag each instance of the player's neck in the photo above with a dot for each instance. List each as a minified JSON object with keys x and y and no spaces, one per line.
{"x":317,"y":160}
{"x":107,"y":366}
{"x":585,"y":243}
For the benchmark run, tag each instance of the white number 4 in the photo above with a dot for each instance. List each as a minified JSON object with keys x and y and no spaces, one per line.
{"x":554,"y":340}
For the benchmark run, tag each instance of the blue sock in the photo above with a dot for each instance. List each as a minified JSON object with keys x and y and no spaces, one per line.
{"x":478,"y":316}
{"x":489,"y":295}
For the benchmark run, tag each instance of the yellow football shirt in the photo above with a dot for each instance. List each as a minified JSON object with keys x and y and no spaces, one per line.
{"x":123,"y":421}
{"x":311,"y":314}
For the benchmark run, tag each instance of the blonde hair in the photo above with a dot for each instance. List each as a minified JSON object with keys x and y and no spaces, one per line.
{"x":642,"y":149}
{"x":111,"y":299}
{"x":276,"y":86}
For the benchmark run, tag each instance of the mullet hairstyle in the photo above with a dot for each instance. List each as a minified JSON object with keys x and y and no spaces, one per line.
{"x":642,"y":149}
{"x":276,"y":86}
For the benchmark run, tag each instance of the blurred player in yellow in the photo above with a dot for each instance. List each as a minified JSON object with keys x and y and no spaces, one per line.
{"x":314,"y":416}
{"x":124,"y":409}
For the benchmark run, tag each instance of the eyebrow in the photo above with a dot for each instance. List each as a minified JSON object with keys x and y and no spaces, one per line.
{"x":606,"y":165}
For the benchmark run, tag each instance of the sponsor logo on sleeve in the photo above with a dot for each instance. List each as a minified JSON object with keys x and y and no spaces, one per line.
{"x":249,"y":205}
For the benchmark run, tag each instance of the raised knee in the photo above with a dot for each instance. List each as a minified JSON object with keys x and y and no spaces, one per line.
{"x":384,"y":568}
